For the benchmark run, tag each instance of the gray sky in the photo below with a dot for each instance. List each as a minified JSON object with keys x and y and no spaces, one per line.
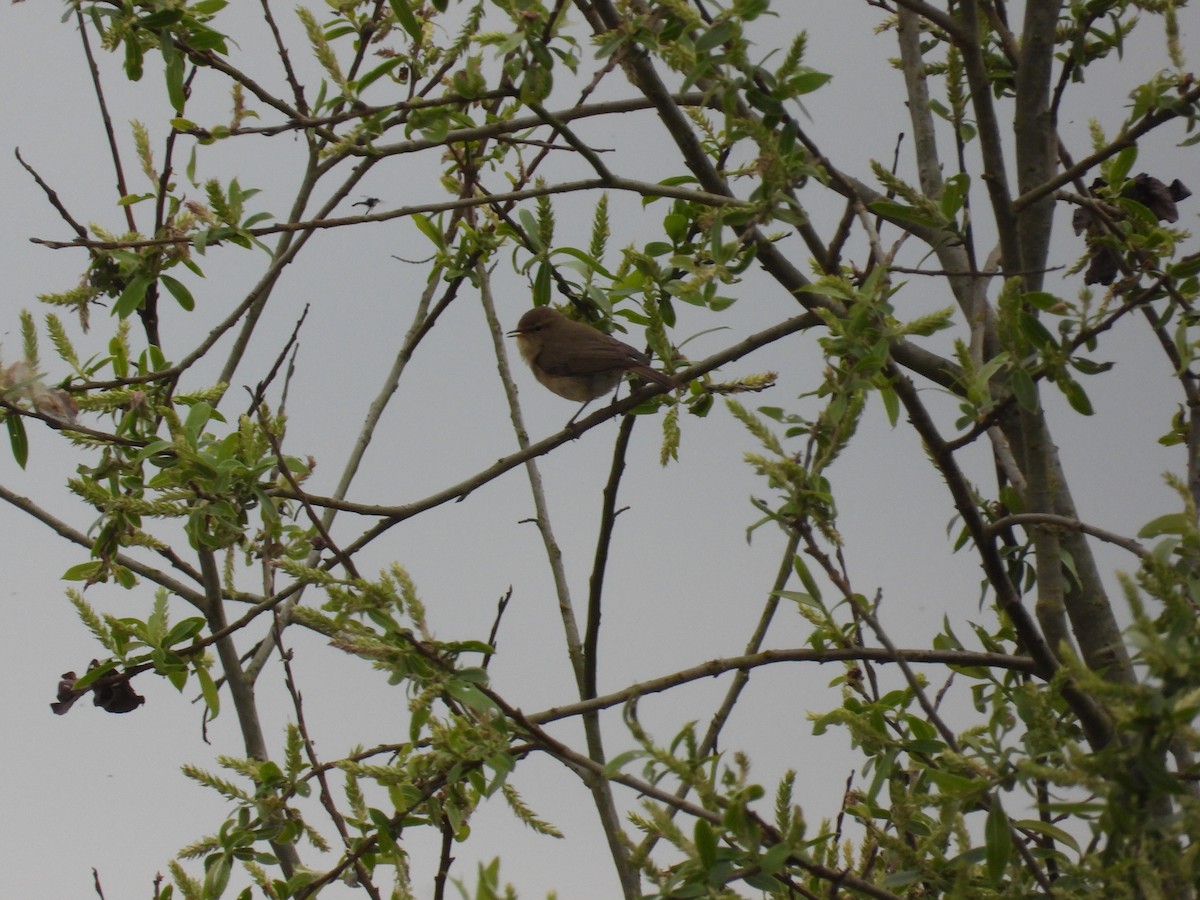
{"x":92,"y":790}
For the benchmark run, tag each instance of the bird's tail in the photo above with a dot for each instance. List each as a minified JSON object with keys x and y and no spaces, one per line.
{"x":656,"y":376}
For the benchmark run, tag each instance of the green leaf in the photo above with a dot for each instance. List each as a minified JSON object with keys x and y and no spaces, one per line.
{"x":184,"y":630}
{"x":161,"y":19}
{"x":807,"y":82}
{"x":379,"y":71}
{"x":773,"y":860}
{"x":998,"y":840}
{"x":270,"y":775}
{"x":715,"y":36}
{"x":216,"y":875}
{"x":404,"y":15}
{"x":131,"y":298}
{"x":530,"y":224}
{"x":797,"y":597}
{"x":1050,"y":831}
{"x":1041,"y":299}
{"x":587,"y":263}
{"x":1035,"y":332}
{"x":197,"y":418}
{"x":891,"y":404}
{"x":202,"y":38}
{"x":133,"y":59}
{"x":765,"y":883}
{"x":1173,"y":523}
{"x":901,"y":212}
{"x":903,"y":878}
{"x":123,"y":576}
{"x":174,"y":71}
{"x":541,"y":285}
{"x":94,"y":673}
{"x":179,"y":292}
{"x":131,"y":199}
{"x":953,"y":193}
{"x":706,"y":843}
{"x":1089,"y":366}
{"x":952,"y":785}
{"x":256,"y":218}
{"x":805,"y":576}
{"x":474,"y":674}
{"x":1121,"y":165}
{"x":470,"y":696}
{"x":83,"y":571}
{"x":383,"y":831}
{"x":427,"y":228}
{"x":417,"y":721}
{"x":1075,"y":395}
{"x":17,"y":438}
{"x":1186,"y":267}
{"x":618,"y":762}
{"x":675,"y":226}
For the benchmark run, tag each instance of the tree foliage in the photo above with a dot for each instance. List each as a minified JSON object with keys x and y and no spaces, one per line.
{"x":1062,"y":762}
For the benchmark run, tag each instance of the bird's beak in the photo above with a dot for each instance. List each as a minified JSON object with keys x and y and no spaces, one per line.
{"x":516,"y":332}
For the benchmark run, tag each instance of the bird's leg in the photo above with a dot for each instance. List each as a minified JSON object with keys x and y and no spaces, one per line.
{"x":578,"y":413}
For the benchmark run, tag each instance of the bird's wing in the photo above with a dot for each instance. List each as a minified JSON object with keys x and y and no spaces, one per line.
{"x":596,"y":357}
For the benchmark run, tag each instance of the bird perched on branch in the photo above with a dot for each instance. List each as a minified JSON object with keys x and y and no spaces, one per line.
{"x":575,"y":360}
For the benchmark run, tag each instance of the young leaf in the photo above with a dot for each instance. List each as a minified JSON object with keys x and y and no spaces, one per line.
{"x":179,"y":292}
{"x":131,"y":298}
{"x":404,"y":15}
{"x":17,"y":438}
{"x":998,"y":840}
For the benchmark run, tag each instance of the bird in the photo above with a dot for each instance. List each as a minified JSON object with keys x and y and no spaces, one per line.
{"x":576,"y":361}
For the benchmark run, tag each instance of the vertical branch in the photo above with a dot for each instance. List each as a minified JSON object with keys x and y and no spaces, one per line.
{"x":601,"y":789}
{"x":1036,"y":151}
{"x":929,"y":167}
{"x":1095,"y":722}
{"x":118,"y":168}
{"x":241,"y":691}
{"x":1036,"y":136}
{"x":608,"y":518}
{"x":1050,"y":609}
{"x":956,"y":258}
{"x":1024,"y":244}
{"x":991,"y":141}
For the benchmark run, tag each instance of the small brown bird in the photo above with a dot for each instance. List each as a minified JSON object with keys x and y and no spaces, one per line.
{"x":576,"y":361}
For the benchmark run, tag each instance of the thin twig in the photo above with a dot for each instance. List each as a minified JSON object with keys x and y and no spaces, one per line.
{"x":1070,"y":524}
{"x":52,"y":197}
{"x":327,"y":801}
{"x":630,"y":185}
{"x":501,"y":607}
{"x":102,"y":103}
{"x":608,"y":520}
{"x":739,"y":664}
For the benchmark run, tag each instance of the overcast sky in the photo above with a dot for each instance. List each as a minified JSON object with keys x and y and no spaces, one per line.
{"x":93,"y":790}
